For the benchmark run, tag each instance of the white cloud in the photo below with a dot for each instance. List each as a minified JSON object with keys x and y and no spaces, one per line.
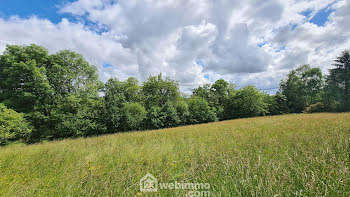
{"x":170,"y":36}
{"x":96,"y":48}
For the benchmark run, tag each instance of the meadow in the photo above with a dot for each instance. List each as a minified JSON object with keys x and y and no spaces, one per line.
{"x":289,"y":155}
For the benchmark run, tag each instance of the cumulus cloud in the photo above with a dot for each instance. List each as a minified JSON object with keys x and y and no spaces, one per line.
{"x":193,"y":41}
{"x":234,"y":54}
{"x":96,"y":48}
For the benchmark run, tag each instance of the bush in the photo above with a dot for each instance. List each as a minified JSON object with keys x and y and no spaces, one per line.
{"x":155,"y":118}
{"x":246,"y":102}
{"x":200,"y":111}
{"x":133,"y":115}
{"x":277,"y":104}
{"x":182,"y":112}
{"x":171,"y":117}
{"x":77,"y":117}
{"x":13,"y":126}
{"x":315,"y":108}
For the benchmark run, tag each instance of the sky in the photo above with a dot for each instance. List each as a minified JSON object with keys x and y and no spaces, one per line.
{"x":250,"y":42}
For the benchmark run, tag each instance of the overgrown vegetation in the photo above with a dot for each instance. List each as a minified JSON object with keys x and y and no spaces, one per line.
{"x":60,"y":96}
{"x":290,"y":155}
{"x":12,"y":126}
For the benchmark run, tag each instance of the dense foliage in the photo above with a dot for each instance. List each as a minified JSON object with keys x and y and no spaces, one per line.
{"x":54,"y":96}
{"x":12,"y":126}
{"x":302,"y":87}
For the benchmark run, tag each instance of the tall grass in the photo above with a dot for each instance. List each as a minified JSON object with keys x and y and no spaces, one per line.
{"x":292,"y":155}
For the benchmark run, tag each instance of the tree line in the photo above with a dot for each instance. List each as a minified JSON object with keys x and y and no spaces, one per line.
{"x":55,"y":96}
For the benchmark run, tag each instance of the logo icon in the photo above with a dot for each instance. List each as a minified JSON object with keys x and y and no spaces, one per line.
{"x":148,"y":183}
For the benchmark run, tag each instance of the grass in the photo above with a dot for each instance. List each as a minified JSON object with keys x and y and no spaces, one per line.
{"x":291,"y":155}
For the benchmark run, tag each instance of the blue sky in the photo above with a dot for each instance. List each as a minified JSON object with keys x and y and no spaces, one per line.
{"x":258,"y":46}
{"x":321,"y":17}
{"x":45,"y":9}
{"x":41,"y":8}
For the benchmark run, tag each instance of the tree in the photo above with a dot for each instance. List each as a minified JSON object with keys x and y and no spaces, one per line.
{"x":132,"y":90}
{"x":56,"y":92}
{"x":220,"y":91}
{"x":114,"y":100}
{"x":216,"y":95}
{"x":314,"y":84}
{"x":70,"y":73}
{"x":182,"y":112}
{"x":171,"y":118}
{"x":24,"y":86}
{"x":78,"y":118}
{"x":155,"y":118}
{"x":76,"y":98}
{"x":247,"y":102}
{"x":158,"y":90}
{"x":163,"y":117}
{"x":15,"y":53}
{"x":278,"y":105}
{"x":338,"y":83}
{"x":302,"y":88}
{"x":117,"y":93}
{"x":133,"y":115}
{"x":203,"y":92}
{"x":200,"y":111}
{"x":13,"y":126}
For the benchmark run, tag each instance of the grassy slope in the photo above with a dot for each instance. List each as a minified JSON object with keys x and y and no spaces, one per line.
{"x":285,"y":155}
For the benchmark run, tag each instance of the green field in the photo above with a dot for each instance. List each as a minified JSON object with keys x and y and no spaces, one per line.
{"x":291,"y":155}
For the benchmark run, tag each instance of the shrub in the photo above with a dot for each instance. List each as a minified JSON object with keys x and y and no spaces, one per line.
{"x":155,"y":118}
{"x":171,"y":117}
{"x":315,"y":108}
{"x":13,"y":126}
{"x":246,"y":102}
{"x":200,"y":111}
{"x":277,"y":104}
{"x":182,"y":112}
{"x":133,"y":115}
